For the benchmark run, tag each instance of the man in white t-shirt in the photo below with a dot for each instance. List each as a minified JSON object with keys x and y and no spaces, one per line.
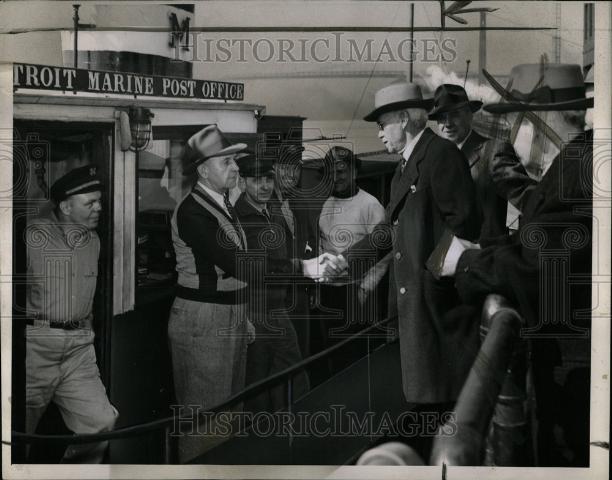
{"x":348,"y":215}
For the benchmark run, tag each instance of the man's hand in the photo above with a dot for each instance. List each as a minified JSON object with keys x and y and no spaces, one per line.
{"x":324,"y":267}
{"x":334,"y":266}
{"x":311,"y":268}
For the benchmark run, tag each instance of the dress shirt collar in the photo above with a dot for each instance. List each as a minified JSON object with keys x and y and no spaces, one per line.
{"x":410,"y":146}
{"x":217,"y":197}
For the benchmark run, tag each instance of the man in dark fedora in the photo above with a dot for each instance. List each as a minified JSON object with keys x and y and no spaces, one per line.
{"x":499,"y":176}
{"x":545,"y":269}
{"x":432,"y":194}
{"x":268,"y":235}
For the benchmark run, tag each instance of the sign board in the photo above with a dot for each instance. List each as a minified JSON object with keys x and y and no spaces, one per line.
{"x":45,"y":77}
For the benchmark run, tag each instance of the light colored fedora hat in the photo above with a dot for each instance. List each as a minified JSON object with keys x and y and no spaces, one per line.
{"x":537,"y":87}
{"x":397,"y":96}
{"x":208,"y":143}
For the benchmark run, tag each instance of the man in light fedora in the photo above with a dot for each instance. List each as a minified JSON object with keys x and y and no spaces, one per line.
{"x":208,"y":328}
{"x":545,"y":269}
{"x":497,"y":172}
{"x":432,"y":196}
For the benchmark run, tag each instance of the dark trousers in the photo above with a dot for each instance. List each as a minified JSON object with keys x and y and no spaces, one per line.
{"x":275,"y":348}
{"x":341,"y":315}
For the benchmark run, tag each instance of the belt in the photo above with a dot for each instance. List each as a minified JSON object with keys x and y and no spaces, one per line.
{"x":70,"y":325}
{"x":221,"y":297}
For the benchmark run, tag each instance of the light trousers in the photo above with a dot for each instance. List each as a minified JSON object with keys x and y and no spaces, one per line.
{"x":208,"y":345}
{"x":61,"y":368}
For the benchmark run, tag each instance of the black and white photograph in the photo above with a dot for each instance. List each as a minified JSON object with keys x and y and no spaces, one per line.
{"x":291,"y":239}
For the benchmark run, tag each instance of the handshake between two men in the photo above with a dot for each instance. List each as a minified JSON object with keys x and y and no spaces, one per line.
{"x":325,"y":268}
{"x":443,"y":261}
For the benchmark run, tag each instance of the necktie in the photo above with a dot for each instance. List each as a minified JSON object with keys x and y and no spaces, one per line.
{"x":234,"y":218}
{"x":229,"y":207}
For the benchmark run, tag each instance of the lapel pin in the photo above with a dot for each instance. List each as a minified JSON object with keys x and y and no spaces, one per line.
{"x":412,"y":188}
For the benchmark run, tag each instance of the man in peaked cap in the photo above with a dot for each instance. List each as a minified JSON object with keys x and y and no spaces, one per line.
{"x":60,"y":357}
{"x":276,"y":345}
{"x":497,"y":172}
{"x":432,"y":198}
{"x":208,"y":326}
{"x":555,"y":229}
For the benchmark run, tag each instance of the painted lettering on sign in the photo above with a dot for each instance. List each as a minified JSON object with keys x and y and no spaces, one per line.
{"x":44,"y":77}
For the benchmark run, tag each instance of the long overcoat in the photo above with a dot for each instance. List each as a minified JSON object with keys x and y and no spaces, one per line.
{"x":438,"y":338}
{"x":545,"y":271}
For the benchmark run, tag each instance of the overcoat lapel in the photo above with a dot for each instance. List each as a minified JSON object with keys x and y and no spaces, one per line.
{"x":472,"y":148}
{"x":406,"y":182}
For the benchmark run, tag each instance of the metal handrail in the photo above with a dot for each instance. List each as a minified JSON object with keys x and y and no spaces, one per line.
{"x":167,"y":422}
{"x":473,"y":412}
{"x":481,"y":390}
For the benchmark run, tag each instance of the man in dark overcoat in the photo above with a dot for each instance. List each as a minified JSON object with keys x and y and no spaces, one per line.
{"x":499,"y":176}
{"x":545,"y":269}
{"x":432,"y":197}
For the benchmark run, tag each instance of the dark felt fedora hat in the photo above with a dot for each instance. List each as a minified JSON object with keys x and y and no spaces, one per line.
{"x":448,"y":98}
{"x":397,"y":96}
{"x":537,"y":87}
{"x":208,"y":143}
